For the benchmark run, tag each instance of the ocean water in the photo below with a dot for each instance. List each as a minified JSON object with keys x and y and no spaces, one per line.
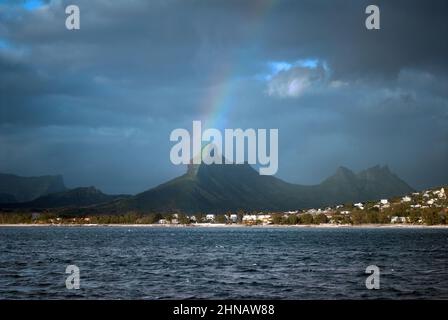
{"x":222,"y":263}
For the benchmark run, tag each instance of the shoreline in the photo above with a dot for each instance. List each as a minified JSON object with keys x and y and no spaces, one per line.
{"x":218,"y":225}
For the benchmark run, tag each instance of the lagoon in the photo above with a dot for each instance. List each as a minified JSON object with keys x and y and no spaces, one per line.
{"x":223,"y":263}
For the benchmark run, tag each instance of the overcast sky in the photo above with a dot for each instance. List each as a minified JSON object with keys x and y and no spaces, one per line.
{"x":98,"y":104}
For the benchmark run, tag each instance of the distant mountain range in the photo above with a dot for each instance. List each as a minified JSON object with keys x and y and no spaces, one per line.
{"x":47,"y":192}
{"x":21,"y":189}
{"x":77,"y":198}
{"x":219,"y":188}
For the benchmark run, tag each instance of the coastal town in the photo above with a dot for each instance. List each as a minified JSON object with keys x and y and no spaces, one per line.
{"x":429,"y":207}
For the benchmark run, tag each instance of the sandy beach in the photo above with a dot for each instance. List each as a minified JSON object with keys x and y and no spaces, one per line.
{"x":219,"y":225}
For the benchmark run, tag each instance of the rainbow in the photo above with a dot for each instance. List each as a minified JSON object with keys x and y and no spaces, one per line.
{"x":217,"y":104}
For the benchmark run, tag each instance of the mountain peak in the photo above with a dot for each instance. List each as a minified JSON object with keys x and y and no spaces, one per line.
{"x":342,"y":174}
{"x":193,"y":168}
{"x":344,"y":171}
{"x":376,"y":172}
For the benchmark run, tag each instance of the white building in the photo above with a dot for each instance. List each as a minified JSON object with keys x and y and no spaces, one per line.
{"x":249,"y":218}
{"x":384,"y":203}
{"x":359,"y":205}
{"x":396,"y":219}
{"x":406,"y":199}
{"x":264,"y":218}
{"x":442,"y":194}
{"x":210,"y":217}
{"x":234,"y":218}
{"x":252,"y":218}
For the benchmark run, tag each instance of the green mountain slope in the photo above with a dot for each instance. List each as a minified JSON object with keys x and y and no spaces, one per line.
{"x":218,"y":188}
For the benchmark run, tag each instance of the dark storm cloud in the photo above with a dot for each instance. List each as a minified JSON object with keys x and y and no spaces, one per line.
{"x":98,"y":104}
{"x":411,"y":35}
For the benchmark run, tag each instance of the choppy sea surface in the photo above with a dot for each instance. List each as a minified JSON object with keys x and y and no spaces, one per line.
{"x":222,"y":263}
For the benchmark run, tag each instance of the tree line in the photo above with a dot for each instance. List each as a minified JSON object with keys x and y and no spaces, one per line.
{"x":428,"y":216}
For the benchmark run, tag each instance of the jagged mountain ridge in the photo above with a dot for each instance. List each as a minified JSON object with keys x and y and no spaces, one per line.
{"x":218,"y":188}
